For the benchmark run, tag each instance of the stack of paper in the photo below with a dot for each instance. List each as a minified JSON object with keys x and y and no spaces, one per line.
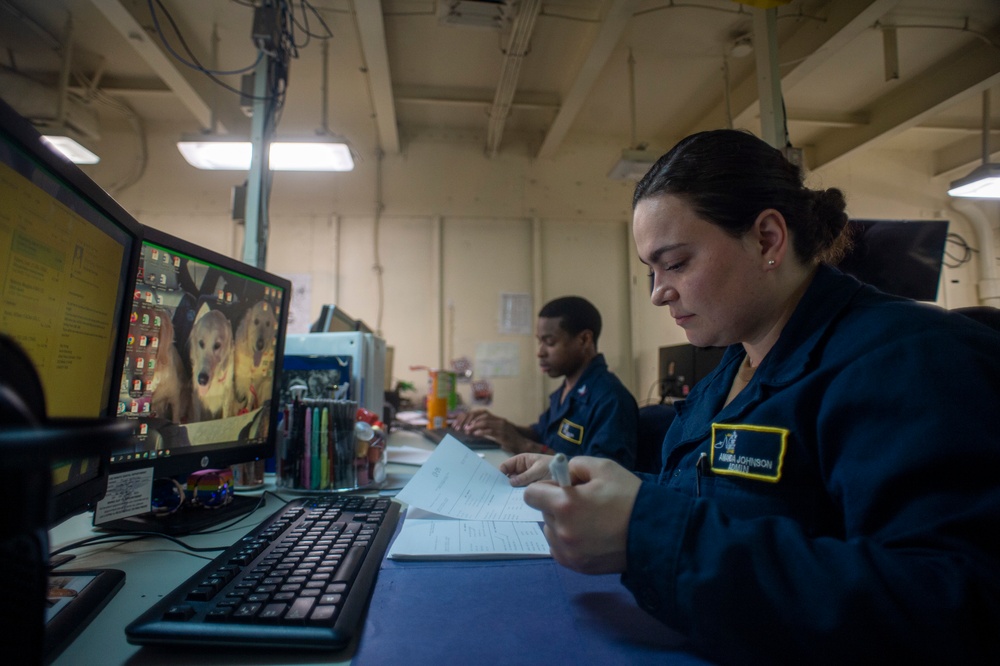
{"x":461,"y":507}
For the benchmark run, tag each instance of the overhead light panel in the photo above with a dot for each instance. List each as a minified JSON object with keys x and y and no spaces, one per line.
{"x":310,"y":156}
{"x":71,"y":150}
{"x":633,"y":165}
{"x":637,"y":159}
{"x":982,"y":183}
{"x":217,"y":155}
{"x":741,"y":47}
{"x":234,"y":155}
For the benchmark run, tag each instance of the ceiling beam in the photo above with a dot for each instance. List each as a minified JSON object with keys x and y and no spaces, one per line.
{"x":964,"y":73}
{"x":957,"y":126}
{"x":809,"y":47}
{"x":523,"y":99}
{"x":195,"y":91}
{"x":826,"y":118}
{"x":964,"y":154}
{"x":371,"y":34}
{"x":607,"y":39}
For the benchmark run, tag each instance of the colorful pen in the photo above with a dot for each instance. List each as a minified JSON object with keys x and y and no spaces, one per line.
{"x":307,"y":451}
{"x":314,"y":451}
{"x":324,"y":449}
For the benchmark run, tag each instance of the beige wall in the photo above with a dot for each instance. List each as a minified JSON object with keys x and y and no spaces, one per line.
{"x":457,"y":230}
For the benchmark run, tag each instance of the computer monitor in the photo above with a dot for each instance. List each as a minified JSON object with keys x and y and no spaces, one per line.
{"x":333,"y":320}
{"x":67,"y":253}
{"x":202,"y":359}
{"x":901,"y":257}
{"x":682,"y":366}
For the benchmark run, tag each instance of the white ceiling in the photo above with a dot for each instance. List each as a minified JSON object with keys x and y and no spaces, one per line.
{"x":397,"y":70}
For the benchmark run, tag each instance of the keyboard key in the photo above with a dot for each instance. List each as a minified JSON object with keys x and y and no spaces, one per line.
{"x":300,"y":609}
{"x":179,"y":612}
{"x":323,"y":615}
{"x":246,"y":611}
{"x":218,"y":615}
{"x":350,"y":564}
{"x":272,"y":612}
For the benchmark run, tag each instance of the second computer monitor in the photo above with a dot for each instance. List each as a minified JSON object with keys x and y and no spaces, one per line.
{"x":202,"y":359}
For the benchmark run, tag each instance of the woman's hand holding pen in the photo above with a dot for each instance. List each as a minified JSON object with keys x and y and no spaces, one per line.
{"x":526,"y":468}
{"x":586,"y":524}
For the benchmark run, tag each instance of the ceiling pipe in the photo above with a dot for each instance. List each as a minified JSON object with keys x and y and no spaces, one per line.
{"x":517,"y":48}
{"x":65,"y":70}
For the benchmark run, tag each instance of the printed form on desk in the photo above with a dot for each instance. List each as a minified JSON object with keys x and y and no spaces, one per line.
{"x":461,"y":507}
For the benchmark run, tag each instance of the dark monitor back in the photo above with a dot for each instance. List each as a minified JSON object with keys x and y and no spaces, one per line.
{"x":901,"y":257}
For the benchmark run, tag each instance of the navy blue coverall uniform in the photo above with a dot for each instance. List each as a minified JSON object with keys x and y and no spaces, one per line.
{"x":598,"y":418}
{"x":845,"y":506}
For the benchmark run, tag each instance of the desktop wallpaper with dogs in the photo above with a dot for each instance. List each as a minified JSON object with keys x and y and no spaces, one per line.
{"x":201,"y":348}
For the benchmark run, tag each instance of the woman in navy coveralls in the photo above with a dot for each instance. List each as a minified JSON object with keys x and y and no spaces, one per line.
{"x":830,"y":492}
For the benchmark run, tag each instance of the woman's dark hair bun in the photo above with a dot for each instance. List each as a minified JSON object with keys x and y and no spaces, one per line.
{"x":729,"y":176}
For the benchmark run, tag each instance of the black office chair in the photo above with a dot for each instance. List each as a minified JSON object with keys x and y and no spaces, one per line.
{"x":654,"y":420}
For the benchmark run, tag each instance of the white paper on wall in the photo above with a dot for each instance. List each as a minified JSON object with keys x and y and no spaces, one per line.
{"x":516,"y":317}
{"x":301,"y":304}
{"x":498,"y":359}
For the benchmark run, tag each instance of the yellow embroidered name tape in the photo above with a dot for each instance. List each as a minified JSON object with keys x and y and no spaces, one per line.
{"x":749,"y":451}
{"x":571,"y":432}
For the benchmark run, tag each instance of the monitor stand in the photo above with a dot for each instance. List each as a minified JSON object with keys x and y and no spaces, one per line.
{"x":74,"y":598}
{"x":186,"y":520}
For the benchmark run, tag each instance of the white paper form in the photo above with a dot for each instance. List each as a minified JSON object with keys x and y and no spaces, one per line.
{"x":422,"y":539}
{"x":456,"y":482}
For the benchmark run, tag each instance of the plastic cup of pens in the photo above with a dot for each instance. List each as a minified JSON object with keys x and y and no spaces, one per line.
{"x":324,"y":448}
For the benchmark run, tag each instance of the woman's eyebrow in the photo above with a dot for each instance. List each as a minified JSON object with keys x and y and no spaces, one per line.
{"x":655,"y":256}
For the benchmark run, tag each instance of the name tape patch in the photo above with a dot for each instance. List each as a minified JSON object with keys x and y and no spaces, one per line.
{"x":571,"y":432}
{"x":753,"y":452}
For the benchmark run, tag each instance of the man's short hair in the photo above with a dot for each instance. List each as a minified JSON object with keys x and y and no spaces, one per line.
{"x":575,"y":314}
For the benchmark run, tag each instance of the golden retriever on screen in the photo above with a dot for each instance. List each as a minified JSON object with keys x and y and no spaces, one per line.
{"x":255,"y":339}
{"x":210,"y":347}
{"x":171,"y":394}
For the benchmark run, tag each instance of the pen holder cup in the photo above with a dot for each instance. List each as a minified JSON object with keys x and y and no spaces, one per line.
{"x":319,"y":450}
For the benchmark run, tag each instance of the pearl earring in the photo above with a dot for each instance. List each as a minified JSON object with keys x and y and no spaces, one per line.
{"x":770,"y":262}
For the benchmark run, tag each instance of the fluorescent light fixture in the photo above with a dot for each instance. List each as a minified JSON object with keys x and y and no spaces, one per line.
{"x":234,"y":155}
{"x":310,"y":156}
{"x":982,"y":183}
{"x":633,"y":165}
{"x":217,"y":155}
{"x":71,"y":150}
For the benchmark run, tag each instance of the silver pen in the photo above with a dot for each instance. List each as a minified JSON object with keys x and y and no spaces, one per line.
{"x":559,"y":469}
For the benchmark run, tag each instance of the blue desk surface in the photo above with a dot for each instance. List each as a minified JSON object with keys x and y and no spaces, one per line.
{"x":508,"y":612}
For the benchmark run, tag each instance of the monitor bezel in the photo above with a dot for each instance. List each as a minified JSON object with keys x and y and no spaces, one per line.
{"x":191,"y":460}
{"x":23,"y":136}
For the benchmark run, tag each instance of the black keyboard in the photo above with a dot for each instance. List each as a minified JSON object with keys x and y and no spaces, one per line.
{"x":435,"y":435}
{"x":300,"y":580}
